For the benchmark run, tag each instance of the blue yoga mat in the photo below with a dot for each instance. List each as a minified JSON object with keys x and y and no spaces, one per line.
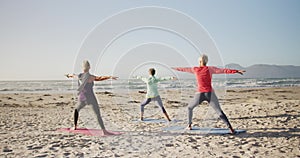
{"x":204,"y":130}
{"x":150,"y":120}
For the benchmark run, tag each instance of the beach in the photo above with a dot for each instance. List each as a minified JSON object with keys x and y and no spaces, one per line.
{"x":29,"y":124}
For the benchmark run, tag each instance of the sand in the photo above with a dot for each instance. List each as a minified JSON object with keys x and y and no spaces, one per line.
{"x":29,"y":123}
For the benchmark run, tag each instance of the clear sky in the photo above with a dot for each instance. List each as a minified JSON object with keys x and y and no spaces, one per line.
{"x":40,"y":40}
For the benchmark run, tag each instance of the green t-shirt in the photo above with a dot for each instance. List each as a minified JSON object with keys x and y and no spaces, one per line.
{"x":152,"y":85}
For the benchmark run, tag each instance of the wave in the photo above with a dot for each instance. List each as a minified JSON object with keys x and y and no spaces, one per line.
{"x":67,"y":86}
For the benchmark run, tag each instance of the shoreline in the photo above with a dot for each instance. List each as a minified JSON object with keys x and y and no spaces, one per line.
{"x":170,"y":89}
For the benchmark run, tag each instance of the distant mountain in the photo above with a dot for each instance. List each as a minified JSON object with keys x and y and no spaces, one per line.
{"x":266,"y":71}
{"x":234,"y":66}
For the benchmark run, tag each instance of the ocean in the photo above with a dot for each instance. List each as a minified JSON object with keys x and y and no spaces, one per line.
{"x":69,"y":86}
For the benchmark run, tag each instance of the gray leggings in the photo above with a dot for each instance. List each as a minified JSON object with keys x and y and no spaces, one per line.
{"x":148,"y":100}
{"x":82,"y":104}
{"x":213,"y":101}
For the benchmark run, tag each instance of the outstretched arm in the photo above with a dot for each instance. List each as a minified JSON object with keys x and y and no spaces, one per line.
{"x":167,"y":78}
{"x":71,"y":75}
{"x":184,"y":69}
{"x":241,"y":72}
{"x":216,"y":70}
{"x":102,"y":78}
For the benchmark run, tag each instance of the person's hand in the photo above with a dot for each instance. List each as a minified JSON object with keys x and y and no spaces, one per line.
{"x":241,"y":72}
{"x":113,"y":77}
{"x":174,"y":78}
{"x":67,"y":75}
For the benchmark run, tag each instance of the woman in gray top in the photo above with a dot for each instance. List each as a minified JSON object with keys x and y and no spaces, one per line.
{"x":86,"y":94}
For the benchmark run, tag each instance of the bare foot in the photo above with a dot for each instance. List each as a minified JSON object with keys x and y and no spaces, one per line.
{"x":105,"y":132}
{"x":232,"y":130}
{"x":189,"y":127}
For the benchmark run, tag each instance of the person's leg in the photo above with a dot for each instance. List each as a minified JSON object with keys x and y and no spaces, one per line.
{"x":99,"y":118}
{"x":214,"y":102}
{"x":160,"y":104}
{"x":76,"y":113}
{"x":198,"y":98}
{"x":143,"y":104}
{"x":97,"y":112}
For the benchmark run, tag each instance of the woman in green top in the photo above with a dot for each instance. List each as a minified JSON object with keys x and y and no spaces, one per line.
{"x":152,"y":92}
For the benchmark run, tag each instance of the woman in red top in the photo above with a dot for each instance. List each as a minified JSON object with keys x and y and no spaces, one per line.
{"x":205,"y":91}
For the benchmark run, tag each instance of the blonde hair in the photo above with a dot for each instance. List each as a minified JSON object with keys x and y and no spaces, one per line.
{"x":86,"y":65}
{"x":203,"y":58}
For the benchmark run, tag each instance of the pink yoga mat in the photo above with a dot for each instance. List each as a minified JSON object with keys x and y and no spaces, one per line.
{"x":90,"y":132}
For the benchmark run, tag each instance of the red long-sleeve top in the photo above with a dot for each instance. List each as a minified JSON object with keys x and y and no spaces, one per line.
{"x":204,"y":75}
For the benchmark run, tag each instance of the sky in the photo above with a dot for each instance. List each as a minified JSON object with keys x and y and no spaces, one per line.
{"x":43,"y":40}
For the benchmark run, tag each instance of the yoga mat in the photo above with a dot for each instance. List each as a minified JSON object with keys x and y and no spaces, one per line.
{"x":203,"y":130}
{"x":150,"y":120}
{"x":90,"y":132}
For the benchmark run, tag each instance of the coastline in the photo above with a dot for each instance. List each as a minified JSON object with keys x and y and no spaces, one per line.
{"x":270,"y":115}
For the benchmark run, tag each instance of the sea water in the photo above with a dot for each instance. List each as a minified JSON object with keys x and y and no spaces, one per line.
{"x":70,"y":86}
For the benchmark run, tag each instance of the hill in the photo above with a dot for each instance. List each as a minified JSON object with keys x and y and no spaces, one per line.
{"x":266,"y":71}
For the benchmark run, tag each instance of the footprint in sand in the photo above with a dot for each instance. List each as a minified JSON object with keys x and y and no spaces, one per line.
{"x":67,"y":154}
{"x":31,"y":147}
{"x":43,"y":155}
{"x":6,"y":150}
